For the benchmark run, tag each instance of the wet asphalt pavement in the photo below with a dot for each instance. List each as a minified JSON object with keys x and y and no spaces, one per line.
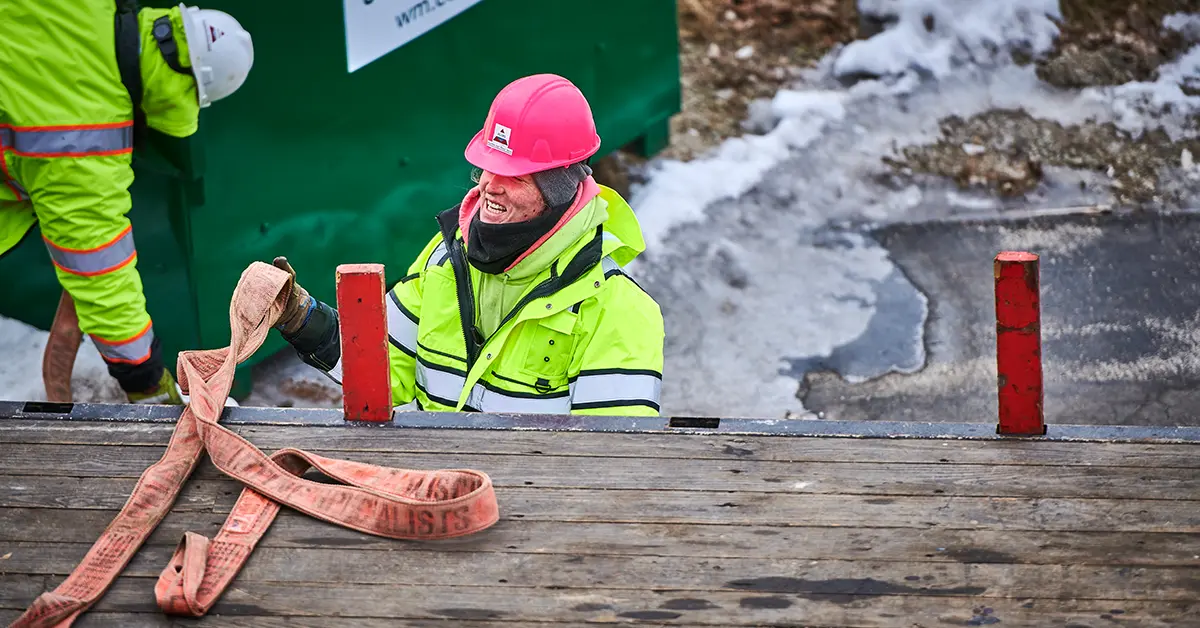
{"x":1120,"y":323}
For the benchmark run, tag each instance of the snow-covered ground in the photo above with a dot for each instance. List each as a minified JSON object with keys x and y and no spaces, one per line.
{"x":756,"y":251}
{"x":753,"y":250}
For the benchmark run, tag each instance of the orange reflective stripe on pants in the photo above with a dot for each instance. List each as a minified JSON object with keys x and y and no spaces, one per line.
{"x":134,"y":350}
{"x":94,"y":261}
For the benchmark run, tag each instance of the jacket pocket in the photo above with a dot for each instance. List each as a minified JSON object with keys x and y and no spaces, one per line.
{"x":551,"y":343}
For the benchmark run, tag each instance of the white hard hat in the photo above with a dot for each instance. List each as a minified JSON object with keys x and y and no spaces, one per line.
{"x":220,"y":50}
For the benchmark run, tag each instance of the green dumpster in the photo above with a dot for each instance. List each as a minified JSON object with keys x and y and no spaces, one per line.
{"x":329,"y":166}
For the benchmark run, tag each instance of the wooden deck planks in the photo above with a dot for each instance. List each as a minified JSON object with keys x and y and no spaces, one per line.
{"x":845,"y":602}
{"x":691,"y":540}
{"x":729,"y":508}
{"x":347,"y":566}
{"x":699,"y":530}
{"x":617,"y":445}
{"x":755,"y":476}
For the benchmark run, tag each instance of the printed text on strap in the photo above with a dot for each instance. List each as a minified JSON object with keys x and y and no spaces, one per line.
{"x":68,"y":141}
{"x":105,"y":258}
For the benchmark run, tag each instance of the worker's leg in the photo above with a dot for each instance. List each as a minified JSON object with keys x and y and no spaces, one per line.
{"x":81,"y":205}
{"x":16,"y":212}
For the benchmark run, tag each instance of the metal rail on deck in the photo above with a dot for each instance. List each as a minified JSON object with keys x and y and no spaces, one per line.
{"x":574,"y":423}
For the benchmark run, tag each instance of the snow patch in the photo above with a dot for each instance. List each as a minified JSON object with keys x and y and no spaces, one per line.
{"x":1140,"y":106}
{"x":933,"y":37}
{"x":678,"y":192}
{"x":979,"y":203}
{"x":1060,"y":240}
{"x":1188,"y":24}
{"x":21,"y":380}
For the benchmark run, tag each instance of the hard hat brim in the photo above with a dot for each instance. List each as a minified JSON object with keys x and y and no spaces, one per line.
{"x":194,"y":36}
{"x":482,"y":156}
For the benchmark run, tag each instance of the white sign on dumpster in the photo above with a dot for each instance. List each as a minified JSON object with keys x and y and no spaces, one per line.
{"x":377,"y":27}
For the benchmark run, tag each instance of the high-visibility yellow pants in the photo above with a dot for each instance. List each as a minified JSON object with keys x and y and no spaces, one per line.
{"x":74,"y":182}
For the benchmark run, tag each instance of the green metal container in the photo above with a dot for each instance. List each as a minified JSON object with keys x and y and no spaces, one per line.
{"x":328,"y":166}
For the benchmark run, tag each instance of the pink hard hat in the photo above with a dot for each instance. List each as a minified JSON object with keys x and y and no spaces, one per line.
{"x":536,"y":123}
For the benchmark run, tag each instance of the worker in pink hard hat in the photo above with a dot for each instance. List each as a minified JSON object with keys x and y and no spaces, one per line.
{"x":520,"y":303}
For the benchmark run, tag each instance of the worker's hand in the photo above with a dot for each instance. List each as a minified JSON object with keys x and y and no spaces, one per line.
{"x":299,"y":303}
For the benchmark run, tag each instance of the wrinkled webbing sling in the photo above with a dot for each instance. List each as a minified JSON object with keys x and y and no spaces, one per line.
{"x":393,"y":503}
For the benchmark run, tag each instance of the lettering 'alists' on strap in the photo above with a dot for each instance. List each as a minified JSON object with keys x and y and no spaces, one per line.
{"x":392,"y":503}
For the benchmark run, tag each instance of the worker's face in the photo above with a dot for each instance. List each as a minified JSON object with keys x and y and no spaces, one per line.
{"x":509,"y":199}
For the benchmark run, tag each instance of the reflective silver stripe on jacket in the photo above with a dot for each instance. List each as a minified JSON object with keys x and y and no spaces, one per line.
{"x":488,"y":400}
{"x":135,"y":350}
{"x":96,"y":261}
{"x":402,"y":330}
{"x":335,"y":373}
{"x":68,"y":142}
{"x":616,"y":388}
{"x":445,"y":387}
{"x":440,"y":255}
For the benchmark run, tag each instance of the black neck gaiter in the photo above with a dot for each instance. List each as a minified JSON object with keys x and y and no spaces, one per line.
{"x":494,"y":247}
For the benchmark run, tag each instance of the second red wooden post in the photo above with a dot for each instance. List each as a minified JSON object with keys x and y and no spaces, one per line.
{"x":362,"y":315}
{"x":1019,"y":344}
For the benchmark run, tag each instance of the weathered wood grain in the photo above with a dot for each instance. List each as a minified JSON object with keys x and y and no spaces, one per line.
{"x":93,"y":619}
{"x":409,"y":565}
{"x":512,"y":470}
{"x":18,"y":491}
{"x":840,"y":602}
{"x":681,"y":530}
{"x":714,"y":507}
{"x":294,"y":530}
{"x":604,"y":445}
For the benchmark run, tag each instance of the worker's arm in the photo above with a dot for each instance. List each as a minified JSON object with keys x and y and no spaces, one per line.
{"x":312,"y":328}
{"x":618,"y":369}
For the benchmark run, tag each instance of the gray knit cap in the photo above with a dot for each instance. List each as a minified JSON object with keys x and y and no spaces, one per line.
{"x":558,"y":185}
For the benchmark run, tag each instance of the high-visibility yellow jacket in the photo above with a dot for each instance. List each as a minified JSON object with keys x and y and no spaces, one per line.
{"x":563,"y":331}
{"x":66,"y":143}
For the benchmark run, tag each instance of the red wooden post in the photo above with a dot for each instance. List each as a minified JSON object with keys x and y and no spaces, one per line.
{"x":366,"y":375}
{"x":1018,"y":344}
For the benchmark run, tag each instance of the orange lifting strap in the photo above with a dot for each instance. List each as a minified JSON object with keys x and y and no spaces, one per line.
{"x":392,"y":503}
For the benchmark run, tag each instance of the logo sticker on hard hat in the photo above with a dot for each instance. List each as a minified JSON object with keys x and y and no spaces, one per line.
{"x":214,"y":34}
{"x":500,"y":138}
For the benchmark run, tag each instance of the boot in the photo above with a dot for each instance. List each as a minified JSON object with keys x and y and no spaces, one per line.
{"x":165,"y":392}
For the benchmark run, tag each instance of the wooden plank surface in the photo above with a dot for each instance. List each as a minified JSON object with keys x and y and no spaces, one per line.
{"x":729,"y":508}
{"x":348,"y":566}
{"x":757,"y":476}
{"x":617,"y":446}
{"x":95,"y":619}
{"x":843,"y":602}
{"x":292,"y":530}
{"x":679,"y":530}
